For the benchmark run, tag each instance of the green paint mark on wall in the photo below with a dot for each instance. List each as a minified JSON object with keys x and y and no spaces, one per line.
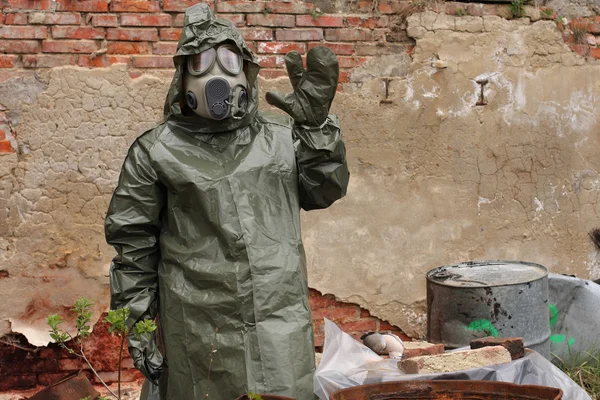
{"x":483,"y":325}
{"x":571,"y":341}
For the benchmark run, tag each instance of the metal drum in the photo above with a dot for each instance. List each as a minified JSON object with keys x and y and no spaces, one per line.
{"x":489,"y":298}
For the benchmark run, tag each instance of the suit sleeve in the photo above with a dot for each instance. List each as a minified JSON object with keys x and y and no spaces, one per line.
{"x":132,"y":227}
{"x":322,"y":168}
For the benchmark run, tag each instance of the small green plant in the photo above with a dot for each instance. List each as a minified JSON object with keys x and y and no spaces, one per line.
{"x":547,"y":13}
{"x":460,"y":12}
{"x":117,"y":320}
{"x":580,"y":30}
{"x":584,"y":369}
{"x":517,"y":8}
{"x":254,"y":396}
{"x":316,"y":13}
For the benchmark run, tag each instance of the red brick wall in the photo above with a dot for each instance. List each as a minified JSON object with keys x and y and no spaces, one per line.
{"x":21,"y":369}
{"x":351,"y":318}
{"x":143,"y":34}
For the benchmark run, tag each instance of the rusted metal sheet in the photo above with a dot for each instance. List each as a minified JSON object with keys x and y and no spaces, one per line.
{"x":74,"y":386}
{"x":489,"y":298}
{"x":448,"y":390}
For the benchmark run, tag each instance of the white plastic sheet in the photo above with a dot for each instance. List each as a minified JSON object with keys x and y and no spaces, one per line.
{"x":347,"y":363}
{"x":574,"y":317}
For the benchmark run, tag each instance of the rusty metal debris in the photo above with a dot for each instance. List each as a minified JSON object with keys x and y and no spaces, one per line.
{"x":74,"y":386}
{"x":447,"y":390}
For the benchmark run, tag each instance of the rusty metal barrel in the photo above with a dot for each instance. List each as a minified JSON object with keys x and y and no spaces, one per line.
{"x":447,"y":390}
{"x":489,"y":298}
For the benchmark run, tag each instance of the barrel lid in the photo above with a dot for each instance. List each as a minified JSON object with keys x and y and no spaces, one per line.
{"x":487,"y":273}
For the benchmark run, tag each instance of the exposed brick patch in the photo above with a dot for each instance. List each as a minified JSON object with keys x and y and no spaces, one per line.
{"x":48,"y":61}
{"x":337,"y":48}
{"x":28,"y":4}
{"x":21,"y":381}
{"x":82,"y":5}
{"x":141,"y":6}
{"x":63,"y":18}
{"x":351,"y":62}
{"x":300,"y":35}
{"x":240,"y":6}
{"x":42,"y":366}
{"x":69,"y":46}
{"x":19,"y":46}
{"x":164,"y":48}
{"x":178,"y":20}
{"x":271,"y":61}
{"x":294,"y":7}
{"x":351,"y":318}
{"x":6,"y":147}
{"x":101,"y":61}
{"x":145,"y":20}
{"x":133,"y":34}
{"x":368,"y":23}
{"x":257,"y":34}
{"x":128,"y":48}
{"x":394,"y":7}
{"x":23,"y":32}
{"x":271,"y":20}
{"x":16,"y":19}
{"x":348,"y":35}
{"x":105,"y":20}
{"x":326,"y":21}
{"x":181,"y":5}
{"x":77,"y":32}
{"x":279,"y":47}
{"x":236,"y":19}
{"x":152,"y":62}
{"x":170,"y":34}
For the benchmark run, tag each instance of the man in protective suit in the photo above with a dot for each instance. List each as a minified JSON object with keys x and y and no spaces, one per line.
{"x":206,"y":220}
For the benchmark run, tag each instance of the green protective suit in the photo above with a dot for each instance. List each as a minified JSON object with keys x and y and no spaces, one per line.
{"x":206,"y":224}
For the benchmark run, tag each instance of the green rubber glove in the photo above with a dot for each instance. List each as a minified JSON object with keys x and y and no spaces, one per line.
{"x":146,"y":356}
{"x":314,"y":88}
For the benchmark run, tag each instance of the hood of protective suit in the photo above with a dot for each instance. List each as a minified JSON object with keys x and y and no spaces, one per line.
{"x":201,"y":31}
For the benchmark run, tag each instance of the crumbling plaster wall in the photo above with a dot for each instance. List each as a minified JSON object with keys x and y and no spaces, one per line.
{"x":436,"y":178}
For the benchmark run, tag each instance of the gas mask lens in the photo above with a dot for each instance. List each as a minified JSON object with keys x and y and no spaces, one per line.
{"x":198,"y":64}
{"x":229,"y":60}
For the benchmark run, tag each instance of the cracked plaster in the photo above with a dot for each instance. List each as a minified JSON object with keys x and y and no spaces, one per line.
{"x":435,"y":178}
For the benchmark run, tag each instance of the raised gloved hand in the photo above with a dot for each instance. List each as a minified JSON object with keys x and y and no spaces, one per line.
{"x":146,"y":355}
{"x":314,"y":88}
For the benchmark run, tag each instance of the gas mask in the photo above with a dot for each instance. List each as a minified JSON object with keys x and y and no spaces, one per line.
{"x":215,"y":84}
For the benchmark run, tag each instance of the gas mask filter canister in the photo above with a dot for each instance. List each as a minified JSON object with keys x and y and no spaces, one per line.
{"x":215,"y":84}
